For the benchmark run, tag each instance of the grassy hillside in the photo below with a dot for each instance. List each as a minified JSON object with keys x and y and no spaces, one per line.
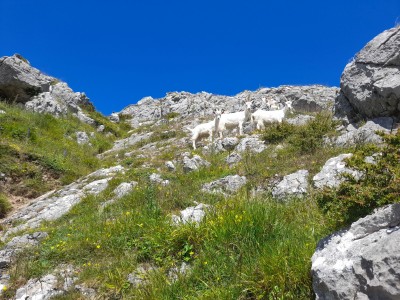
{"x":247,"y":247}
{"x":39,"y":152}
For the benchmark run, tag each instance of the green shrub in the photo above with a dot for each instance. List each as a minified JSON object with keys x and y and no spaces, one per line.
{"x":379,"y":185}
{"x":5,"y":205}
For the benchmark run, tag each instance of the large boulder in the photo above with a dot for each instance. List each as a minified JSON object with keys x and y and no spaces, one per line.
{"x":22,"y":83}
{"x":292,"y":185}
{"x":362,"y":262}
{"x":371,"y":82}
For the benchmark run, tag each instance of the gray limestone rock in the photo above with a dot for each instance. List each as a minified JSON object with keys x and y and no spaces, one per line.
{"x":233,"y":158}
{"x":124,"y":188}
{"x":295,"y":184}
{"x":141,"y":275}
{"x":114,"y":117}
{"x":366,"y":133}
{"x":229,"y":143}
{"x":227,"y":185}
{"x":54,"y":204}
{"x":156,"y":178}
{"x":21,"y":83}
{"x":194,"y":163}
{"x":253,"y":144}
{"x":371,"y":82}
{"x":170,"y":165}
{"x":361,"y":262}
{"x":331,"y":173}
{"x":184,"y":104}
{"x":17,"y":244}
{"x":193,"y":214}
{"x":82,"y":138}
{"x":300,"y":120}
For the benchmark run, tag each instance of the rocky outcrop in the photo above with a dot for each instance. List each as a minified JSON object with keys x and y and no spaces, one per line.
{"x":192,"y":214}
{"x":361,"y":262}
{"x":292,"y":185}
{"x":183,"y":104}
{"x":366,"y":133}
{"x":370,"y":84}
{"x":22,"y":83}
{"x":194,"y":163}
{"x":252,"y":144}
{"x":54,"y":204}
{"x":331,"y":174}
{"x":227,"y":185}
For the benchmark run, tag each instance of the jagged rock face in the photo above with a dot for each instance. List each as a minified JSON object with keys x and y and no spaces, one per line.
{"x":22,"y":83}
{"x":305,"y":98}
{"x":371,"y":82}
{"x":361,"y":262}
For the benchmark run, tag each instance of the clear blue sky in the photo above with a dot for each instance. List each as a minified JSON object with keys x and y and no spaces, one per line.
{"x":120,"y":51}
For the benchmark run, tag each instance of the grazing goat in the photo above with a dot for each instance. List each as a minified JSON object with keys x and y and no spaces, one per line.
{"x":232,"y":120}
{"x":202,"y":131}
{"x":261,"y":117}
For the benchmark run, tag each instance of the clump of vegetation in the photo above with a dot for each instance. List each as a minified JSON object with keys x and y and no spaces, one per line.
{"x":5,"y":205}
{"x":39,"y":152}
{"x":305,"y":138}
{"x":378,"y":186}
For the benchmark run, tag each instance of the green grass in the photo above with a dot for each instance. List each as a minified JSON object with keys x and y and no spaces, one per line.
{"x":245,"y":248}
{"x":39,"y":152}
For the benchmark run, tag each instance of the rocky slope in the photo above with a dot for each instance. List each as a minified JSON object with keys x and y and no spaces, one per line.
{"x":184,"y":188}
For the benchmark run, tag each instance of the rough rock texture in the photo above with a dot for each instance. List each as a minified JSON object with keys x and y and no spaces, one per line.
{"x":21,"y":83}
{"x":170,"y":166}
{"x":192,"y":214}
{"x":366,"y":133}
{"x":300,"y":120}
{"x":49,"y":285}
{"x":227,"y":185}
{"x":252,"y":143}
{"x":295,"y":184}
{"x":124,"y":188}
{"x":362,"y":262}
{"x":54,"y":204}
{"x":82,"y":137}
{"x":194,"y":163}
{"x":305,"y":98}
{"x":141,"y":275}
{"x":371,"y":82}
{"x":128,"y":142}
{"x":233,"y":158}
{"x":156,"y":178}
{"x":229,"y":143}
{"x":331,"y":173}
{"x":18,"y":243}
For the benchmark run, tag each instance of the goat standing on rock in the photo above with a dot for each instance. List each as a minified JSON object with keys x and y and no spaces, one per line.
{"x":262,"y":117}
{"x":232,"y":120}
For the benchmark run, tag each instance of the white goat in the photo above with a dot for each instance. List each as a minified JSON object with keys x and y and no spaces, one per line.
{"x":232,"y":120}
{"x":261,"y":117}
{"x":202,"y":131}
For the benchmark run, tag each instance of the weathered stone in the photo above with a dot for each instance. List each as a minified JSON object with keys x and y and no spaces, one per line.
{"x":176,"y":272}
{"x":17,"y":244}
{"x":82,"y":138}
{"x":100,"y":128}
{"x":371,"y":82}
{"x":227,"y":185}
{"x":306,"y":98}
{"x":253,"y":144}
{"x":331,"y":173}
{"x":366,"y":133}
{"x":361,"y":262}
{"x":300,"y":120}
{"x":295,"y":184}
{"x":233,"y":158}
{"x":53,"y":205}
{"x":141,"y":275}
{"x":229,"y":143}
{"x":170,"y":165}
{"x":124,"y":188}
{"x":114,"y":117}
{"x":193,"y":214}
{"x":194,"y":163}
{"x":156,"y":178}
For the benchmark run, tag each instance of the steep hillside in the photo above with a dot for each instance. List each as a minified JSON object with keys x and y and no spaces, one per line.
{"x":140,"y":214}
